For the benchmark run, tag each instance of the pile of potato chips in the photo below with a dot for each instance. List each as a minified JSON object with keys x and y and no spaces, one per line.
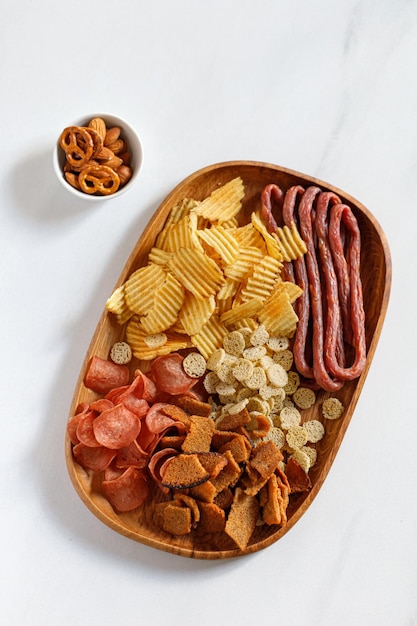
{"x":208,"y":275}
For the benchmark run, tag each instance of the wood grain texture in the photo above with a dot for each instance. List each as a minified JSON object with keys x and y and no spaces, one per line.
{"x":376,"y":278}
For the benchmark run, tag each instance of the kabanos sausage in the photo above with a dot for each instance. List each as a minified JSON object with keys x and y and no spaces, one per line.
{"x":319,"y":368}
{"x":341,"y":213}
{"x":271,"y":193}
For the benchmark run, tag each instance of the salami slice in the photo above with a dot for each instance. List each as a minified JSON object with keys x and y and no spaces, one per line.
{"x":128,"y":491}
{"x":103,"y":375}
{"x":95,"y":459}
{"x":157,"y":421}
{"x":158,"y":460}
{"x":169,"y":375}
{"x":85,"y":432}
{"x":74,"y":421}
{"x":131,"y":455}
{"x":116,"y":427}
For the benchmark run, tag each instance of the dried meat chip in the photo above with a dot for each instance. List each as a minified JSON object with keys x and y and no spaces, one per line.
{"x":241,"y":521}
{"x":332,"y":408}
{"x":314,"y":430}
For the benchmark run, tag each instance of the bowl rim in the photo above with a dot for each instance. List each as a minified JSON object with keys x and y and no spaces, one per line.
{"x":137,"y":156}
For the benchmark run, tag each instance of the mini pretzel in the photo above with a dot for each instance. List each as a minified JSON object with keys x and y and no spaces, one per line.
{"x":77,"y":144}
{"x":98,"y":179}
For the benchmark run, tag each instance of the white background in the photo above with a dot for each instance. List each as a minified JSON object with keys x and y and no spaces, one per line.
{"x":326,"y":88}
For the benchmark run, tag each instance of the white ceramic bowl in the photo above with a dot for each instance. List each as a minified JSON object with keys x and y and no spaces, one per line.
{"x":134,"y":146}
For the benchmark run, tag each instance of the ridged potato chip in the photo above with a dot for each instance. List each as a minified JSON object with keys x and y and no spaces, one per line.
{"x":290,"y":241}
{"x":243,"y":266}
{"x":168,"y":301}
{"x":272,"y":245}
{"x":117,"y":305}
{"x":197,"y":272}
{"x":195,"y":313}
{"x":141,"y":286}
{"x":223,"y":203}
{"x":245,"y":310}
{"x":210,"y":337}
{"x":222,"y":241}
{"x":262,"y":282}
{"x":136,"y":335}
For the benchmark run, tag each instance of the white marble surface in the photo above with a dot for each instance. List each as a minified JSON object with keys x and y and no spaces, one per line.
{"x":326,"y":88}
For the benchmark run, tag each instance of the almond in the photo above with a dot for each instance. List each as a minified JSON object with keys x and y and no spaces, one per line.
{"x":105,"y":154}
{"x":114,"y":162}
{"x":99,"y":126}
{"x":112,"y":135}
{"x":124,"y":173}
{"x":117,"y":146}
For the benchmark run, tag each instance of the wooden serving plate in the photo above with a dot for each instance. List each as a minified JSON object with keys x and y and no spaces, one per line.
{"x":376,"y":279}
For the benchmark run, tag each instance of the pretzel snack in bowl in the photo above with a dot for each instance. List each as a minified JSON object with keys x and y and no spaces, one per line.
{"x":97,"y":156}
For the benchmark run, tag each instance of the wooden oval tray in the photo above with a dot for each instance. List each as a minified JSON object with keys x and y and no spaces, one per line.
{"x":376,"y":280}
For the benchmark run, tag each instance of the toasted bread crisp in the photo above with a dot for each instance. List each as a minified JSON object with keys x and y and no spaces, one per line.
{"x":297,"y":477}
{"x":213,"y":462}
{"x":231,"y":421}
{"x":198,"y":438}
{"x":266,"y":458}
{"x":193,"y":406}
{"x":184,"y":471}
{"x":212,"y":518}
{"x":177,"y":519}
{"x":242,"y":518}
{"x":239,"y":447}
{"x":271,"y":512}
